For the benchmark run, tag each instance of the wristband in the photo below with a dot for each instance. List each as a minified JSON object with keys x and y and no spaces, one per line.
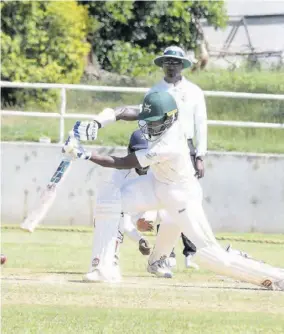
{"x":107,"y":116}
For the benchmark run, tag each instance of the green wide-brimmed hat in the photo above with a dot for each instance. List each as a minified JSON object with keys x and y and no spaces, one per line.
{"x":174,"y":52}
{"x":157,"y":105}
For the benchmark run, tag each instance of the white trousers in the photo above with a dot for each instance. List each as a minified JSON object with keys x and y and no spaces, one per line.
{"x":183,"y":204}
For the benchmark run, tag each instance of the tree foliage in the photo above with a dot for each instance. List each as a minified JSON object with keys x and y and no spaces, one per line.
{"x":43,"y":41}
{"x":131,"y":31}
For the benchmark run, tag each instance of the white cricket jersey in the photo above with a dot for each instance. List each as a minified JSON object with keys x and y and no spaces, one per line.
{"x":192,"y":110}
{"x":168,"y":157}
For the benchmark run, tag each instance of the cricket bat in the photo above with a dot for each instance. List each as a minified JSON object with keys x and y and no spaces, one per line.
{"x":47,"y":197}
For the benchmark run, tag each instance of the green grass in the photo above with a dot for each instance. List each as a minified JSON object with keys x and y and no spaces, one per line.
{"x":67,"y":319}
{"x":42,"y":291}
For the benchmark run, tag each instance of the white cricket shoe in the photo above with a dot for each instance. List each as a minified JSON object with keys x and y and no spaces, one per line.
{"x":190,"y":264}
{"x":171,"y":262}
{"x":160,"y":268}
{"x":26,"y":228}
{"x":111,"y":275}
{"x":279,"y":285}
{"x":229,"y":249}
{"x":93,"y":276}
{"x":114,"y":275}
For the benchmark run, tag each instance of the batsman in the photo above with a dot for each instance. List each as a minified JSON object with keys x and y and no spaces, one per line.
{"x":171,"y":185}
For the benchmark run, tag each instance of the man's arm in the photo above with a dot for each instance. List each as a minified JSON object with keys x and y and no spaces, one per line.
{"x":127,"y":113}
{"x":142,"y":158}
{"x":128,"y":162}
{"x":200,"y":126}
{"x":88,"y":130}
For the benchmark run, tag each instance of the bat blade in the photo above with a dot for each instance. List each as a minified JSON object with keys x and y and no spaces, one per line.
{"x":47,"y":197}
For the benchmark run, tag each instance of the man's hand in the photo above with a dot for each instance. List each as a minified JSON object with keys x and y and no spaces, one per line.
{"x":85,"y":131}
{"x":74,"y":150}
{"x":144,"y":247}
{"x":144,"y":225}
{"x":199,"y":165}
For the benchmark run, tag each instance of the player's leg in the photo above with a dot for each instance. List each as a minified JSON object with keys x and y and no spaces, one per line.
{"x":165,"y":241}
{"x":103,"y":267}
{"x":240,"y":268}
{"x":119,"y":239}
{"x":171,"y":259}
{"x":192,"y":221}
{"x":189,"y":251}
{"x":145,"y":199}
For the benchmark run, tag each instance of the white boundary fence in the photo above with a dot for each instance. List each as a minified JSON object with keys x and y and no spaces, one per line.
{"x":62,"y":115}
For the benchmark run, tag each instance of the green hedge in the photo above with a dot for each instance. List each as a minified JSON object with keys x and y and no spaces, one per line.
{"x":42,"y":41}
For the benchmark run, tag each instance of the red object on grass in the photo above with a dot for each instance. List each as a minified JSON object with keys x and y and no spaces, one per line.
{"x":3,"y":259}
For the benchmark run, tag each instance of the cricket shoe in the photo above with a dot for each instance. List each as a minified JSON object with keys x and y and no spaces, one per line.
{"x":160,"y":269}
{"x":113,"y":275}
{"x":278,"y":285}
{"x":108,"y":275}
{"x":189,"y":264}
{"x":229,"y":249}
{"x":93,"y":276}
{"x":25,"y":227}
{"x":171,"y":262}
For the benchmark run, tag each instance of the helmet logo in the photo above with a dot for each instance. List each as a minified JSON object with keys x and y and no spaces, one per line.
{"x":171,"y":113}
{"x":147,"y":108}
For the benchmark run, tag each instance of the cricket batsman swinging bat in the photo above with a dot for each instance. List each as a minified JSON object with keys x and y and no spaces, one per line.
{"x":47,"y":197}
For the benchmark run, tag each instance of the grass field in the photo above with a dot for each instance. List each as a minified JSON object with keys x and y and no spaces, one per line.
{"x":43,"y":292}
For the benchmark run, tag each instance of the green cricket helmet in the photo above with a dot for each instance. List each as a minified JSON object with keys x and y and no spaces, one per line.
{"x":159,"y":112}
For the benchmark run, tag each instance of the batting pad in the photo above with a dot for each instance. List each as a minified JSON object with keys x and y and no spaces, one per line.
{"x":107,"y":215}
{"x":104,"y":243}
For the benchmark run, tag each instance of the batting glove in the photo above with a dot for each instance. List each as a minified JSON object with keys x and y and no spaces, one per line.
{"x":144,"y":247}
{"x":72,"y":149}
{"x":144,"y":225}
{"x":85,"y":131}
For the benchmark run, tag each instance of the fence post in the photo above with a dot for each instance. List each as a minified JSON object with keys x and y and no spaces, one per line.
{"x":62,"y":114}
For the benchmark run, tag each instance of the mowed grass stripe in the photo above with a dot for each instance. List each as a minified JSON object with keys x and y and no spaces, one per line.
{"x":55,"y":319}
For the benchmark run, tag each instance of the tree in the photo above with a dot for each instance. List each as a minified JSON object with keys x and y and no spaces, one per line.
{"x":42,"y":41}
{"x":132,"y":32}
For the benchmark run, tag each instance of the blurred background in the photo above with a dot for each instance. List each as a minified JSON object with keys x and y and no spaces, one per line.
{"x":239,"y":46}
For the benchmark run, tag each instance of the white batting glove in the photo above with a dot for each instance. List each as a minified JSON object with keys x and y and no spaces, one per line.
{"x":72,"y":149}
{"x":84,"y":131}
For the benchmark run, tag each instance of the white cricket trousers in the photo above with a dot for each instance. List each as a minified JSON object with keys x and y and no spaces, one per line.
{"x":183,"y":204}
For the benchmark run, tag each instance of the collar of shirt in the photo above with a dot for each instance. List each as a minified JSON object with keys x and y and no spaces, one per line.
{"x":180,"y":82}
